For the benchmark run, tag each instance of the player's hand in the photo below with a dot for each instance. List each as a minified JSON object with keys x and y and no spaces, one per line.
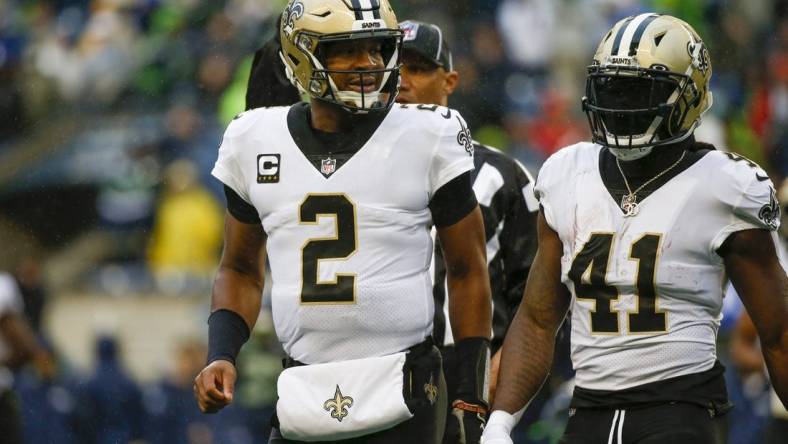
{"x":465,"y":424}
{"x":214,"y":386}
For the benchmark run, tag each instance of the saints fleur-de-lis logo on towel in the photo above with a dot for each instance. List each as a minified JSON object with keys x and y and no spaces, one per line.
{"x":338,"y":405}
{"x":431,"y":390}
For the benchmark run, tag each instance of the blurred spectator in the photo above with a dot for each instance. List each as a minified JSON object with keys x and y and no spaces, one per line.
{"x":747,"y":425}
{"x":29,"y":279}
{"x":95,"y":67}
{"x":184,"y":247}
{"x":51,"y":398}
{"x":18,"y":345}
{"x":259,"y":371}
{"x":173,"y":416}
{"x":110,"y":402}
{"x":12,"y":106}
{"x":532,"y":21}
{"x":551,"y":129}
{"x":192,"y":133}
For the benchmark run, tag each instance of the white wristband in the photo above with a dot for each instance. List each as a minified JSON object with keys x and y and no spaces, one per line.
{"x":503,"y":420}
{"x":499,"y":428}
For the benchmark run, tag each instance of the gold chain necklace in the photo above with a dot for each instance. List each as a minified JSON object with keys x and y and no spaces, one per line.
{"x":629,"y":202}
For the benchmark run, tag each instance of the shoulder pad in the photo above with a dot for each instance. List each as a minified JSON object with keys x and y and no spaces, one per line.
{"x":434,"y":116}
{"x":249,"y":119}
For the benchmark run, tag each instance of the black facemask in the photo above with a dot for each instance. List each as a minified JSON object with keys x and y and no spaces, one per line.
{"x":631,"y":103}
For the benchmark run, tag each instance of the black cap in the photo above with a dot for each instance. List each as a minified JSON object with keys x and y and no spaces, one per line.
{"x":427,"y":40}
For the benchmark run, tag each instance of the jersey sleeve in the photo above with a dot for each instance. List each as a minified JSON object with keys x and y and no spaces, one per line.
{"x":545,"y":189}
{"x":453,"y":154}
{"x":752,"y":202}
{"x":227,"y":168}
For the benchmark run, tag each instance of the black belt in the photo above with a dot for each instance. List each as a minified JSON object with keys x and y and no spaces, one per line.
{"x":421,"y":347}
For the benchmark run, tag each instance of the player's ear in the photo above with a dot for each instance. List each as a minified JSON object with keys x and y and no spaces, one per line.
{"x":451,"y":80}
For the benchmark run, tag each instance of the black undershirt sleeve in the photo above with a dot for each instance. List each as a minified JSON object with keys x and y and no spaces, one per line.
{"x":239,"y":208}
{"x":453,"y":201}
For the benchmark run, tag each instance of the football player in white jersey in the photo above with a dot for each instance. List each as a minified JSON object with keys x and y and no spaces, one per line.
{"x":340,"y":194}
{"x":638,"y":233}
{"x":504,"y":189}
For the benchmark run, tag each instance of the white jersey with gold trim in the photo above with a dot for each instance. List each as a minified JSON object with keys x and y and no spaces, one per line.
{"x":647,"y":290}
{"x":349,"y":253}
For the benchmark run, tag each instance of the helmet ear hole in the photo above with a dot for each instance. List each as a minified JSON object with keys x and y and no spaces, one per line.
{"x":658,"y":38}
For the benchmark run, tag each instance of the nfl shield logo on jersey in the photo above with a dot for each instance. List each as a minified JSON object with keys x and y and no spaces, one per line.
{"x":328,"y":166}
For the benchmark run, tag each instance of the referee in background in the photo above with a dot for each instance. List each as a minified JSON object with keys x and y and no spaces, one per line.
{"x":504,"y":189}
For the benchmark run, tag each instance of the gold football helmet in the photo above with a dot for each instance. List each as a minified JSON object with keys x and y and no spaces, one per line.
{"x":307,"y":25}
{"x":648,"y":85}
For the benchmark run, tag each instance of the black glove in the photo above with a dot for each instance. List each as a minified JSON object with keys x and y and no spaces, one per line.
{"x":468,"y":416}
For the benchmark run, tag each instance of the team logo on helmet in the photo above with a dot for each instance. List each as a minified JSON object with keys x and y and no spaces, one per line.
{"x":700,"y":56}
{"x":293,"y":12}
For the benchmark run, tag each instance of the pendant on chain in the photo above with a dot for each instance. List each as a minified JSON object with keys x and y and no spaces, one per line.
{"x":629,"y":205}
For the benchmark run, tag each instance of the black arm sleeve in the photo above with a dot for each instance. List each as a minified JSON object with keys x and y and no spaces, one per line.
{"x":239,"y":208}
{"x":227,"y":333}
{"x":453,"y":201}
{"x":474,"y":354}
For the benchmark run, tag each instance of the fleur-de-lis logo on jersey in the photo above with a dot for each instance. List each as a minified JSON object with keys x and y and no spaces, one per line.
{"x":293,"y":12}
{"x":464,"y":137}
{"x":431,"y":390}
{"x":770,"y":213}
{"x":338,"y":405}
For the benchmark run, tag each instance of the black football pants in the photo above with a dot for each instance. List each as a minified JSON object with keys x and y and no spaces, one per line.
{"x":674,"y":423}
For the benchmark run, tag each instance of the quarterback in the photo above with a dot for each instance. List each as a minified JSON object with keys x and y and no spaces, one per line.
{"x":639,"y":231}
{"x":340,"y":194}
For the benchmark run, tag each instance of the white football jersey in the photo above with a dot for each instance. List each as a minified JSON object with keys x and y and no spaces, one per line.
{"x":647,"y":290}
{"x":349,"y":253}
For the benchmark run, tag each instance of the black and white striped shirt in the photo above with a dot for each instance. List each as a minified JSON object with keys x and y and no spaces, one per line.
{"x":504,"y":189}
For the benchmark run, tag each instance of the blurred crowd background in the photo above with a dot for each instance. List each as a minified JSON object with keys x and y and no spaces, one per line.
{"x":111,"y":112}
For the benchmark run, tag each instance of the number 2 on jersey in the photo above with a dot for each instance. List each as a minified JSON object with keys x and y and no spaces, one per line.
{"x":340,"y":246}
{"x":596,"y":256}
